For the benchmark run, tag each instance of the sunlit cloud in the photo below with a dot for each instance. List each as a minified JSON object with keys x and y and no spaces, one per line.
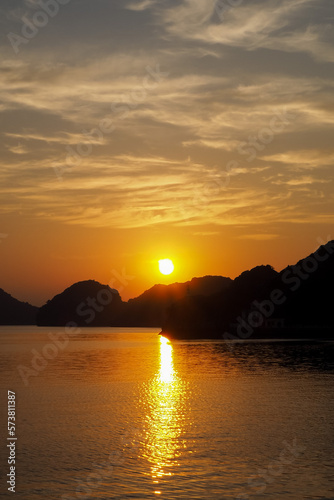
{"x":305,"y":179}
{"x":18,"y":149}
{"x":140,"y":5}
{"x":165,"y":160}
{"x":284,"y":27}
{"x":305,"y":159}
{"x":139,"y":192}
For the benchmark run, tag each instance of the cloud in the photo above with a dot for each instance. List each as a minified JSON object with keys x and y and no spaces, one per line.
{"x":166,"y":160}
{"x":287,"y":26}
{"x":259,"y":236}
{"x":303,"y":180}
{"x":303,"y":159}
{"x":129,"y":192}
{"x":18,"y":149}
{"x":141,"y":5}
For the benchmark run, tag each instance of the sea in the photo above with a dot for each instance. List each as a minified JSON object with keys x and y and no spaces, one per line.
{"x":122,"y":413}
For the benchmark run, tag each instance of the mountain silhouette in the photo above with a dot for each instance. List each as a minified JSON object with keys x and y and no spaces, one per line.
{"x":261,"y":303}
{"x":195,"y":317}
{"x":15,"y":312}
{"x":150,"y":308}
{"x":86,"y":303}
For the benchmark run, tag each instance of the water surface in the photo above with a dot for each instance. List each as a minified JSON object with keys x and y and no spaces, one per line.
{"x":122,"y":413}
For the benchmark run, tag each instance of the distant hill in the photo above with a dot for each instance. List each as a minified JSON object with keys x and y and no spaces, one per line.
{"x":198,"y":317}
{"x":86,"y":303}
{"x":150,"y":308}
{"x":15,"y":312}
{"x":261,"y":303}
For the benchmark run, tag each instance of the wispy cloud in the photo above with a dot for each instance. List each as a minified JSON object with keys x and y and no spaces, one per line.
{"x":303,"y":159}
{"x":301,"y":181}
{"x":259,"y":236}
{"x":287,"y":26}
{"x":222,"y":90}
{"x":141,"y":5}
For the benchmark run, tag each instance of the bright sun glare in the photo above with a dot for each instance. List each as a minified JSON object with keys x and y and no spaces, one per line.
{"x":166,"y":266}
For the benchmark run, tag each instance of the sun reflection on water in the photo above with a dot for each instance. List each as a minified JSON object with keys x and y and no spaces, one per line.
{"x":166,"y":361}
{"x":165,"y":417}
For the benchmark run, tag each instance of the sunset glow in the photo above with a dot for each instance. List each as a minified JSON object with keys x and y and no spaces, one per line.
{"x":172,"y":128}
{"x":167,"y":248}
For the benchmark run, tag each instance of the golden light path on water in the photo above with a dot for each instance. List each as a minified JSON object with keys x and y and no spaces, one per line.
{"x":166,"y":361}
{"x":165,"y":418}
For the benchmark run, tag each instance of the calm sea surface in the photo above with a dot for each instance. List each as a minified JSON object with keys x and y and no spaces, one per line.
{"x":123,"y":414}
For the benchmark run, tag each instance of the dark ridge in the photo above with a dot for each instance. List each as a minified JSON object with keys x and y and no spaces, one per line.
{"x":261,"y":303}
{"x":15,"y":312}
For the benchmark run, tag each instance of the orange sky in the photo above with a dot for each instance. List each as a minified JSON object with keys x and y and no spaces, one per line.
{"x":39,"y":267}
{"x":134,"y":131}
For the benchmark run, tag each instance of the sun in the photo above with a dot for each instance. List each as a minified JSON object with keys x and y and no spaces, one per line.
{"x":166,"y":266}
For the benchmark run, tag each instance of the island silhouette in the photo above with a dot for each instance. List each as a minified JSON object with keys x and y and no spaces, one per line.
{"x":260,"y":303}
{"x":15,"y":312}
